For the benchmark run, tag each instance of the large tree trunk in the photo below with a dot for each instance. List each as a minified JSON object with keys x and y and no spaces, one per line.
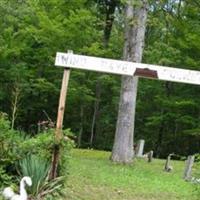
{"x":135,"y":18}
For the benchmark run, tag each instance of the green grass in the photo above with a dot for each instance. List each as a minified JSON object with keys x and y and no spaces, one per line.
{"x":93,"y":177}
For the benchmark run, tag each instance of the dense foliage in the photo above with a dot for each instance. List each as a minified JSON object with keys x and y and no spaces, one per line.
{"x":31,"y":32}
{"x":24,"y":155}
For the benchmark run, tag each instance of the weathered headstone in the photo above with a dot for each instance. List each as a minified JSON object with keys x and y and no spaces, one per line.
{"x":150,"y":156}
{"x":140,"y":148}
{"x":188,"y":168}
{"x":168,"y":168}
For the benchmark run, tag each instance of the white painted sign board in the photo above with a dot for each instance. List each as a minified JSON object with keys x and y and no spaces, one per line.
{"x":94,"y":64}
{"x":127,"y":68}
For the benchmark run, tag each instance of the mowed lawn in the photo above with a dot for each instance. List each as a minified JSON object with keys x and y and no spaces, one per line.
{"x":93,"y":177}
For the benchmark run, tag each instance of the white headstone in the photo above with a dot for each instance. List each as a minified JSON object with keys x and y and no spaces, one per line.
{"x":150,"y":156}
{"x":140,"y":148}
{"x":188,"y":168}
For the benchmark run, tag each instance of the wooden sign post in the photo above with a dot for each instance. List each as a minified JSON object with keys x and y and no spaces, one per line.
{"x":59,"y":123}
{"x":61,"y":106}
{"x":70,"y":60}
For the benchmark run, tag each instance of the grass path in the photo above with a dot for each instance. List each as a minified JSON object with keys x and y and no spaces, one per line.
{"x":93,"y":177}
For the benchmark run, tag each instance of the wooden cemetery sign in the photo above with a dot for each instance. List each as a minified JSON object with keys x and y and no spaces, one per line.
{"x":70,"y":60}
{"x":127,"y":68}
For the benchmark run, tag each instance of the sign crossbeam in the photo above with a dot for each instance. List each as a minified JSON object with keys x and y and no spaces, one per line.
{"x":127,"y":68}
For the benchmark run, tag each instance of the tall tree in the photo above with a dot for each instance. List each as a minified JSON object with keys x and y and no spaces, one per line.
{"x":135,"y":23}
{"x":107,"y":8}
{"x":110,"y":6}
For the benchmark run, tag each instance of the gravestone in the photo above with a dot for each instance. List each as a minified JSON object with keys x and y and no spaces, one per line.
{"x":188,"y":168}
{"x":140,"y":148}
{"x":150,"y":156}
{"x":168,"y":168}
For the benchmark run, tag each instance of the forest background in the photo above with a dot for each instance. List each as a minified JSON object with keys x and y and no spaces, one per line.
{"x":31,"y":32}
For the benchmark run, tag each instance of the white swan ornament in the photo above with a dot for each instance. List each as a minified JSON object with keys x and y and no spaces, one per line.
{"x":10,"y":195}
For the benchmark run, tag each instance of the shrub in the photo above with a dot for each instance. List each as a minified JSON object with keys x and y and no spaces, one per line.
{"x":38,"y":168}
{"x":5,"y":179}
{"x":33,"y":153}
{"x":9,"y":142}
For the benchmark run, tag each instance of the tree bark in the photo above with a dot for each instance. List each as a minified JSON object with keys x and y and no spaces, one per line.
{"x":96,"y":111}
{"x":135,"y":24}
{"x":110,"y":10}
{"x":159,"y":140}
{"x":81,"y":126}
{"x":59,"y":124}
{"x":15,"y":103}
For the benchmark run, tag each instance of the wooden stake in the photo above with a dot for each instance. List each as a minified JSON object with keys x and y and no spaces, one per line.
{"x":59,"y":124}
{"x":61,"y":107}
